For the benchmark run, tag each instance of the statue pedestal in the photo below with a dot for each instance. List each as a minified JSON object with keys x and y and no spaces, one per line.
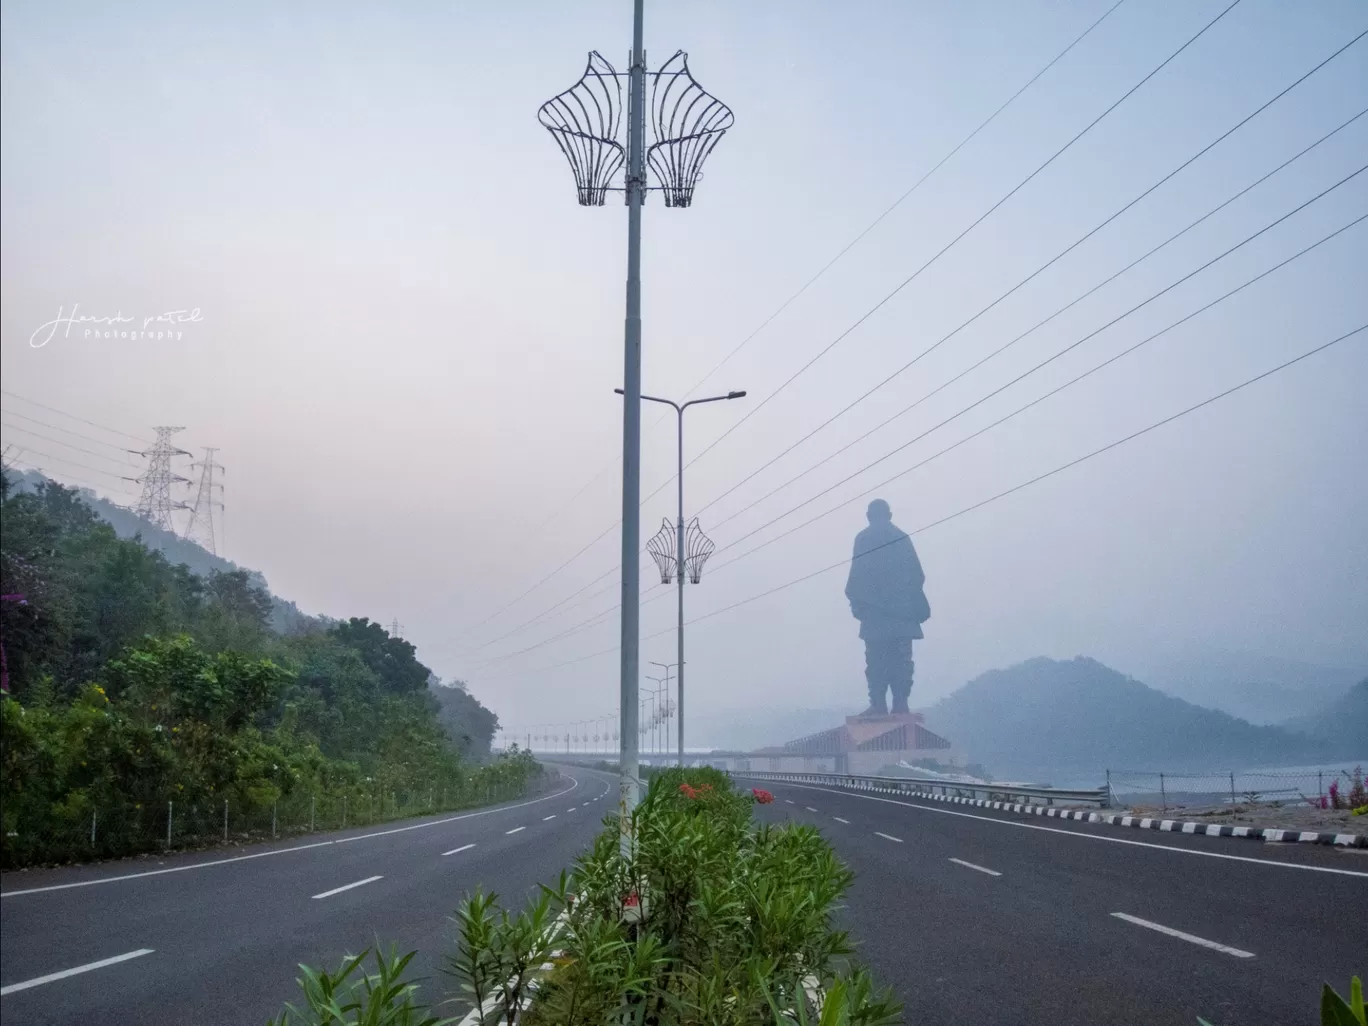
{"x":864,"y":728}
{"x":863,"y":744}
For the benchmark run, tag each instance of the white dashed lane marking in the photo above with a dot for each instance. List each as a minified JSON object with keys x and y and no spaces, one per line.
{"x":514,"y":830}
{"x":457,"y":851}
{"x":970,"y":865}
{"x":545,"y":818}
{"x":38,"y":981}
{"x":347,"y":887}
{"x":838,"y":819}
{"x":1190,"y":938}
{"x":888,"y":837}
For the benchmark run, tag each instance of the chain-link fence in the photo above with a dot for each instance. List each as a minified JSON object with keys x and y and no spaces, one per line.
{"x":1319,"y":787}
{"x":80,"y":829}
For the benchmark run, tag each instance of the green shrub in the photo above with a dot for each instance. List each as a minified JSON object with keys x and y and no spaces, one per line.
{"x":712,"y":921}
{"x":348,"y":998}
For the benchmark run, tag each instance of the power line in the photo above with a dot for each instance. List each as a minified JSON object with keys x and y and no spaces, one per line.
{"x":53,"y":409}
{"x":995,"y":392}
{"x":1050,"y":263}
{"x":1021,"y":409}
{"x":898,"y":202}
{"x":756,"y":409}
{"x":802,"y":289}
{"x":1049,"y":473}
{"x":22,"y":463}
{"x":841,"y":505}
{"x":72,"y":463}
{"x":1039,"y":324}
{"x":67,"y":431}
{"x":58,"y":441}
{"x":981,"y":503}
{"x":946,"y":248}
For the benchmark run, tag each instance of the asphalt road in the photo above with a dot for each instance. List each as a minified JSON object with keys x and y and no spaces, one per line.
{"x":224,"y":933}
{"x":981,"y":917}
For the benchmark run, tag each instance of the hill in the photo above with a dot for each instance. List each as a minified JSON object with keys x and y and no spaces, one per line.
{"x":1257,"y":688}
{"x":285,"y":615}
{"x":1342,"y":724}
{"x":1053,"y":719}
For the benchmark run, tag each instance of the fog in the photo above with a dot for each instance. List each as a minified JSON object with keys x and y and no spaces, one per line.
{"x":409,"y":333}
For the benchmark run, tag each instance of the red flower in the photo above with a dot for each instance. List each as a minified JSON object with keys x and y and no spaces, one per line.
{"x":762,"y":796}
{"x":631,"y":901}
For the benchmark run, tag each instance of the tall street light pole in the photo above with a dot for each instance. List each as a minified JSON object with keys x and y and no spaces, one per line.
{"x":681,"y":557}
{"x":687,"y":123}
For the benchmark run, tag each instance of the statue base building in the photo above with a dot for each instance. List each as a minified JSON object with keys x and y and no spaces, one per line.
{"x":863,"y":744}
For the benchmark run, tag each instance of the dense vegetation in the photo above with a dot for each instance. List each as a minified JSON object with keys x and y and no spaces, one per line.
{"x":136,"y":683}
{"x":713,"y":921}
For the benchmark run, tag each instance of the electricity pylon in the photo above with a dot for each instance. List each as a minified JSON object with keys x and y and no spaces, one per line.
{"x":155,"y":504}
{"x":200,"y":527}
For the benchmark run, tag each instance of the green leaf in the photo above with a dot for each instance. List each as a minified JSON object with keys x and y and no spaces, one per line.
{"x":1335,"y":1011}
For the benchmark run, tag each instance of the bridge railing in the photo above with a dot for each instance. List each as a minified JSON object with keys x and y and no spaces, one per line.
{"x":1023,"y":794}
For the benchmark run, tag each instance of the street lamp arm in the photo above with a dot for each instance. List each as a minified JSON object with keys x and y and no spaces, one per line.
{"x":655,"y":399}
{"x":714,"y":398}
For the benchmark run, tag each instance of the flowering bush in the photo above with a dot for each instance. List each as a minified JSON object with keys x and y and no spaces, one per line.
{"x":713,"y":920}
{"x":1357,"y":794}
{"x":762,"y":796}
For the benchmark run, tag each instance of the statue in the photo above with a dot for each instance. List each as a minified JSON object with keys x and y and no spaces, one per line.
{"x":886,"y":596}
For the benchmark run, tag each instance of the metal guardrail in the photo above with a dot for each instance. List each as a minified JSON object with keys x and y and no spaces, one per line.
{"x":1007,"y":792}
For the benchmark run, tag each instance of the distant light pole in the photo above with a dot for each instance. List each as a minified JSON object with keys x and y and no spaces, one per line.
{"x":667,"y":667}
{"x":683,"y":560}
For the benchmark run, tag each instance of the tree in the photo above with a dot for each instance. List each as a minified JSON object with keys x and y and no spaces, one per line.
{"x":393,"y":659}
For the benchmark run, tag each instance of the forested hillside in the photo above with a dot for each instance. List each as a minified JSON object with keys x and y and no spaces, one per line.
{"x":134,"y":681}
{"x":1046,"y":717}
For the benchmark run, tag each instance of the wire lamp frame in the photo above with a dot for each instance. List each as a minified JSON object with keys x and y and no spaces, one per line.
{"x":697,"y":548}
{"x":687,"y":123}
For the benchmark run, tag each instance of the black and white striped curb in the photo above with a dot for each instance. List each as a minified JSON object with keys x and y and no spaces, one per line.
{"x":1141,"y":822}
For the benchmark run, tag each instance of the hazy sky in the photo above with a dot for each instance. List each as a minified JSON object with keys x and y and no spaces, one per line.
{"x":411,"y":333}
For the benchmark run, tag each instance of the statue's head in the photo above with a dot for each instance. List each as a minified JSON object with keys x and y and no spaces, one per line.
{"x":878,"y":512}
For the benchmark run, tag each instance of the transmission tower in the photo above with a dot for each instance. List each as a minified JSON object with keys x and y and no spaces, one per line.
{"x":155,"y":503}
{"x":396,"y":629}
{"x":200,"y":527}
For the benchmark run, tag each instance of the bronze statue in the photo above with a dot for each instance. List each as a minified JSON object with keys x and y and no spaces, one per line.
{"x":886,"y":596}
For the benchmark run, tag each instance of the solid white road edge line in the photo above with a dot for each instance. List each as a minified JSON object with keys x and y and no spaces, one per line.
{"x":347,"y":887}
{"x":38,"y":981}
{"x":457,"y":851}
{"x":285,"y":851}
{"x":1085,"y":836}
{"x":515,"y":830}
{"x":1190,"y":938}
{"x":888,"y":837}
{"x":981,"y":869}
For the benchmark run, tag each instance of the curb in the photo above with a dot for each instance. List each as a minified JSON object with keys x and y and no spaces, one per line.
{"x":1140,"y":822}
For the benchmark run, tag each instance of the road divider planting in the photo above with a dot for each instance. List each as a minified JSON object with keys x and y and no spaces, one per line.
{"x":710,"y":920}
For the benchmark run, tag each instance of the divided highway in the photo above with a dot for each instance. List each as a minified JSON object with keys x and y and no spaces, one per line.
{"x":970,"y":916}
{"x":216,"y":937}
{"x":982,"y":917}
